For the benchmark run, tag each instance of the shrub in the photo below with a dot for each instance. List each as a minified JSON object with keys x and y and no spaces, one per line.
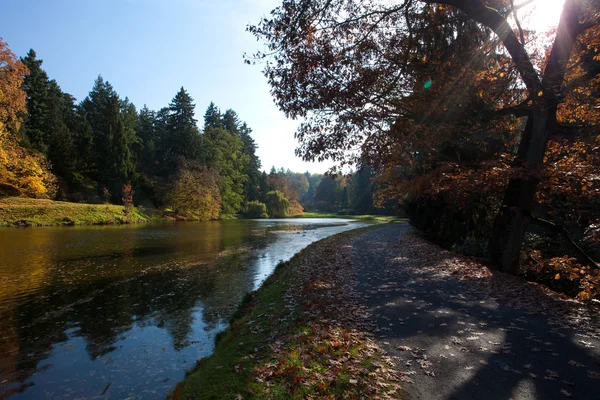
{"x":256,"y":209}
{"x":277,"y":205}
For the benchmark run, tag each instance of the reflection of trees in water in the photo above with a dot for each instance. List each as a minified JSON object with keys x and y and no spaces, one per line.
{"x":106,"y":309}
{"x":99,"y":283}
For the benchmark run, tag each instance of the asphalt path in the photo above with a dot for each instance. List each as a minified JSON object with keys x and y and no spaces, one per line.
{"x":458,"y":332}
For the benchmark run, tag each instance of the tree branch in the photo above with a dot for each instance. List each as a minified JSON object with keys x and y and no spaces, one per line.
{"x":564,"y":233}
{"x":574,"y":131}
{"x":519,"y":110}
{"x":582,"y":80}
{"x":512,"y":7}
{"x":491,"y":18}
{"x":514,"y":12}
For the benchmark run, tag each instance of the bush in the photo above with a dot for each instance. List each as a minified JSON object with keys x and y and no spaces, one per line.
{"x":256,"y":209}
{"x":277,"y":205}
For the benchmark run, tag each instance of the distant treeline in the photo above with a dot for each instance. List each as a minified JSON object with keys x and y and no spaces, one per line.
{"x":102,"y":144}
{"x":350,"y":194}
{"x":104,"y":150}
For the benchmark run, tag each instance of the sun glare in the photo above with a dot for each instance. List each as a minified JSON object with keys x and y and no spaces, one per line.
{"x":541,"y":15}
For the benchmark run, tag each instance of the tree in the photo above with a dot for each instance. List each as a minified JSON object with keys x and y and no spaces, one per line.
{"x":146,"y":130}
{"x":256,"y":209}
{"x":195,"y":193}
{"x":253,"y":184}
{"x":212,"y":117}
{"x":21,"y":172}
{"x":230,"y":121}
{"x":277,"y":204}
{"x":361,"y":190}
{"x":59,"y":139}
{"x":182,"y":134}
{"x":224,"y":153}
{"x":355,"y":70}
{"x":112,"y":123}
{"x":35,"y":84}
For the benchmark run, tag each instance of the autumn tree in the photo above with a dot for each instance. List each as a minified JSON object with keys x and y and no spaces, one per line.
{"x":196,"y":192}
{"x":21,"y":171}
{"x":399,"y":79}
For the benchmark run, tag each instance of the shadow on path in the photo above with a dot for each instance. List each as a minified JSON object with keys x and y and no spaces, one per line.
{"x":479,"y":336}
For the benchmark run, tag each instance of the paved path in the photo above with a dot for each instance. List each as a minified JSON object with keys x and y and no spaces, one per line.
{"x":474,"y":336}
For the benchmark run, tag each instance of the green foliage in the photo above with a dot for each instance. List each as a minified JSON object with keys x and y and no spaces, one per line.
{"x":277,"y":204}
{"x":256,"y":209}
{"x":182,"y":137}
{"x":195,"y":194}
{"x":223,"y":152}
{"x":212,"y":117}
{"x":112,"y":125}
{"x":17,"y":211}
{"x":103,"y":143}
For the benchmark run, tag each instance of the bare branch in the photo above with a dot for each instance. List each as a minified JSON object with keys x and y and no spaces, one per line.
{"x":514,"y":12}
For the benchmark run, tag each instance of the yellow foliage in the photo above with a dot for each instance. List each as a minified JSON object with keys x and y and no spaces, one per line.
{"x":196,"y":194}
{"x":21,"y":171}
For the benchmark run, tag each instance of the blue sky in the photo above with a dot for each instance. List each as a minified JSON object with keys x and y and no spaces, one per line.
{"x":148,"y":49}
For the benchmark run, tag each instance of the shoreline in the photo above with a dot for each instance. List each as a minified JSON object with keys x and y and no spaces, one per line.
{"x":287,"y":339}
{"x":26,"y":212}
{"x":19,"y":212}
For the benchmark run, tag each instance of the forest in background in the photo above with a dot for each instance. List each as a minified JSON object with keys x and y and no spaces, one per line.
{"x":104,"y":150}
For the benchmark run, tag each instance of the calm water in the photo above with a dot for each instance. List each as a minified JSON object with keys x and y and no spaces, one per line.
{"x":117,"y":312}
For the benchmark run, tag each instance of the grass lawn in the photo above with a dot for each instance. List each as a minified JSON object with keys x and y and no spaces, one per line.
{"x":17,"y":211}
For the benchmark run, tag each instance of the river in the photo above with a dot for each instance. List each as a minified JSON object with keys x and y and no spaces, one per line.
{"x":124,"y":311}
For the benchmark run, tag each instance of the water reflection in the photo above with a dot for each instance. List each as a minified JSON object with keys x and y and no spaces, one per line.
{"x":126,"y":310}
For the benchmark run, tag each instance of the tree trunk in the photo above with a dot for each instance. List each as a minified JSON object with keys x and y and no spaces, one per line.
{"x":512,"y":220}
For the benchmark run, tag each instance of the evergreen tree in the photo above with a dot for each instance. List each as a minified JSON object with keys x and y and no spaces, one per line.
{"x":35,"y":124}
{"x":264,"y":187}
{"x":62,"y":153}
{"x":224,"y":153}
{"x":118,"y":166}
{"x":113,"y":135}
{"x":146,"y":130}
{"x":361,"y":190}
{"x":230,"y":121}
{"x":182,"y":135}
{"x":212,"y":117}
{"x":253,"y":184}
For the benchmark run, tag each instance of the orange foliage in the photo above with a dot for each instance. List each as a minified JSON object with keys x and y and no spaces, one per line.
{"x":21,"y":171}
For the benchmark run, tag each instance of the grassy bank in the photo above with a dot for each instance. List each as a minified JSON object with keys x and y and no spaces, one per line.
{"x":17,"y":211}
{"x":288,"y":340}
{"x":319,"y":214}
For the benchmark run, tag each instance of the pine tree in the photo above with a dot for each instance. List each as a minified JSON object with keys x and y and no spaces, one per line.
{"x":212,"y":117}
{"x":252,"y":191}
{"x":182,"y":134}
{"x":224,"y":153}
{"x":113,"y":135}
{"x":58,"y":137}
{"x":34,"y":128}
{"x":230,"y":121}
{"x":146,"y":130}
